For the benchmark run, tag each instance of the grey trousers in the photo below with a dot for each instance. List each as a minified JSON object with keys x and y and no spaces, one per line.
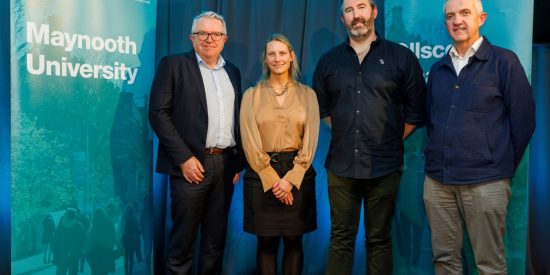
{"x":482,"y":208}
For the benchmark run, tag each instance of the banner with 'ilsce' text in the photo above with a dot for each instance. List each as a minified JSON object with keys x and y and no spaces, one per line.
{"x":420,"y":26}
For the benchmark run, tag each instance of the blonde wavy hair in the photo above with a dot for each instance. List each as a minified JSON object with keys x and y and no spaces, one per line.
{"x":293,"y":71}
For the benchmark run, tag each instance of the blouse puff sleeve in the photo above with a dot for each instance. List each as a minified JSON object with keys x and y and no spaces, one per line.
{"x":259,"y":160}
{"x":305,"y":155}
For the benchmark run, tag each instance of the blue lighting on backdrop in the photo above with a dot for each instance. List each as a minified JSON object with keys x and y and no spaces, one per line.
{"x":4,"y":137}
{"x":539,"y":174}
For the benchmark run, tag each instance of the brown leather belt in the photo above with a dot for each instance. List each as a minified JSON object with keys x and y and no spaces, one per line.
{"x":213,"y":151}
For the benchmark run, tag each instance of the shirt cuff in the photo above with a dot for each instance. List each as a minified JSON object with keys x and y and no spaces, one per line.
{"x":268,"y":176}
{"x":296,"y":175}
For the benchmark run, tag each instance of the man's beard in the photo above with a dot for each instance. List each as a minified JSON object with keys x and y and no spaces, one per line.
{"x":364,"y":30}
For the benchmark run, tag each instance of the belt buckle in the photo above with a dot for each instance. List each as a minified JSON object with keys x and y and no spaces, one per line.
{"x":274,"y":157}
{"x":213,"y":151}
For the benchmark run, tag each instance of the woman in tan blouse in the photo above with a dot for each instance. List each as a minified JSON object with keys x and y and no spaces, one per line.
{"x":279,"y":128}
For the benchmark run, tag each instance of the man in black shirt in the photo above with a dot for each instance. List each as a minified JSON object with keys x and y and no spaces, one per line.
{"x":371,"y":92}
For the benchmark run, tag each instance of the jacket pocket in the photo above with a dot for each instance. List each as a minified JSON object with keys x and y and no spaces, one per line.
{"x":473,"y":150}
{"x":482,"y":98}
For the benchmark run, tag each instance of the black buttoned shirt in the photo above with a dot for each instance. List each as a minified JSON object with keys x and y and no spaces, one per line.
{"x":369,"y":103}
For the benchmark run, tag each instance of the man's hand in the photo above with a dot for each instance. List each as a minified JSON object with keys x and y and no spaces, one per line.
{"x":236,"y":177}
{"x":328,"y":121}
{"x":409,"y":128}
{"x":192,"y":170}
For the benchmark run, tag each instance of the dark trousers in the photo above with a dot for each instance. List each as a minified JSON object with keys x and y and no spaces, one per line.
{"x":346,"y":197}
{"x":205,"y":204}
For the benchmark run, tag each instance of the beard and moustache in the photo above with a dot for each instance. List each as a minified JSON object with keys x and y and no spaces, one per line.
{"x":361,"y":31}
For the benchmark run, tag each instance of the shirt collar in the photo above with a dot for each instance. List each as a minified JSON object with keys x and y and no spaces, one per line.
{"x":220,"y":64}
{"x":373,"y":44}
{"x":470,"y":52}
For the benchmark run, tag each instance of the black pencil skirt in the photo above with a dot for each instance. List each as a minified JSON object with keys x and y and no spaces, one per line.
{"x":265,"y":215}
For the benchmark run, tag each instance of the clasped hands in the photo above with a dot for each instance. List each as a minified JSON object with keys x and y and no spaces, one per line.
{"x":282,"y":191}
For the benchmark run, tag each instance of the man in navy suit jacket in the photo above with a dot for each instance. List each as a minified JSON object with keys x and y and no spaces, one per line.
{"x":194,"y":109}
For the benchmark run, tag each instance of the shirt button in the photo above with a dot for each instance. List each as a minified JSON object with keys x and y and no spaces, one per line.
{"x":457,"y":86}
{"x":453,"y":106}
{"x":358,"y":92}
{"x":357,"y":111}
{"x":357,"y":131}
{"x":356,"y":150}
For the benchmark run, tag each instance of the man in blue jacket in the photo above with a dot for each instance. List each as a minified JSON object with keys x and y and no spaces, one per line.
{"x":480,"y":120}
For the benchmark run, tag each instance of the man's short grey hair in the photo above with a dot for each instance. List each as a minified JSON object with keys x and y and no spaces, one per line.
{"x":372,"y":4}
{"x":208,"y":14}
{"x":478,"y":5}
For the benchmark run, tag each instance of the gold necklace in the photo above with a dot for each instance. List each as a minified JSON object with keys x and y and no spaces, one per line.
{"x":272,"y":90}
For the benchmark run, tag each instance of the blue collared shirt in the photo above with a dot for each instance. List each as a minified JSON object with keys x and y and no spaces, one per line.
{"x":220,"y":100}
{"x":479,"y":121}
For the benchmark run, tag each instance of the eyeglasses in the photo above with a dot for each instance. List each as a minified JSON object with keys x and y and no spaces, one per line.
{"x":216,"y":36}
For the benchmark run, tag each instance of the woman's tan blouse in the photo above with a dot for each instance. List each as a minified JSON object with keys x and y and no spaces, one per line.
{"x":267,"y":126}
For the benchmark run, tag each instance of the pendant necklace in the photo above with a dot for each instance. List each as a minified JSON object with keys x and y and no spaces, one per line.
{"x":285,"y":89}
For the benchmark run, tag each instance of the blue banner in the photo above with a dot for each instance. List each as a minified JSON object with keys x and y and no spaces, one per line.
{"x":4,"y":137}
{"x":81,"y":147}
{"x":420,"y":26}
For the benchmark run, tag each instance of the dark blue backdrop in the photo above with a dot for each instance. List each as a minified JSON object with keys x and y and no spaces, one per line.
{"x":313,"y":26}
{"x":538,"y":242}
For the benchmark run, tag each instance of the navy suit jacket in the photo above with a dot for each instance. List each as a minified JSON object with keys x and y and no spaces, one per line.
{"x":179,"y":117}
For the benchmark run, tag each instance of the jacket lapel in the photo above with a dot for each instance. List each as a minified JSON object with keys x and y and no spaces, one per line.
{"x":196,"y":76}
{"x":236,"y":103}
